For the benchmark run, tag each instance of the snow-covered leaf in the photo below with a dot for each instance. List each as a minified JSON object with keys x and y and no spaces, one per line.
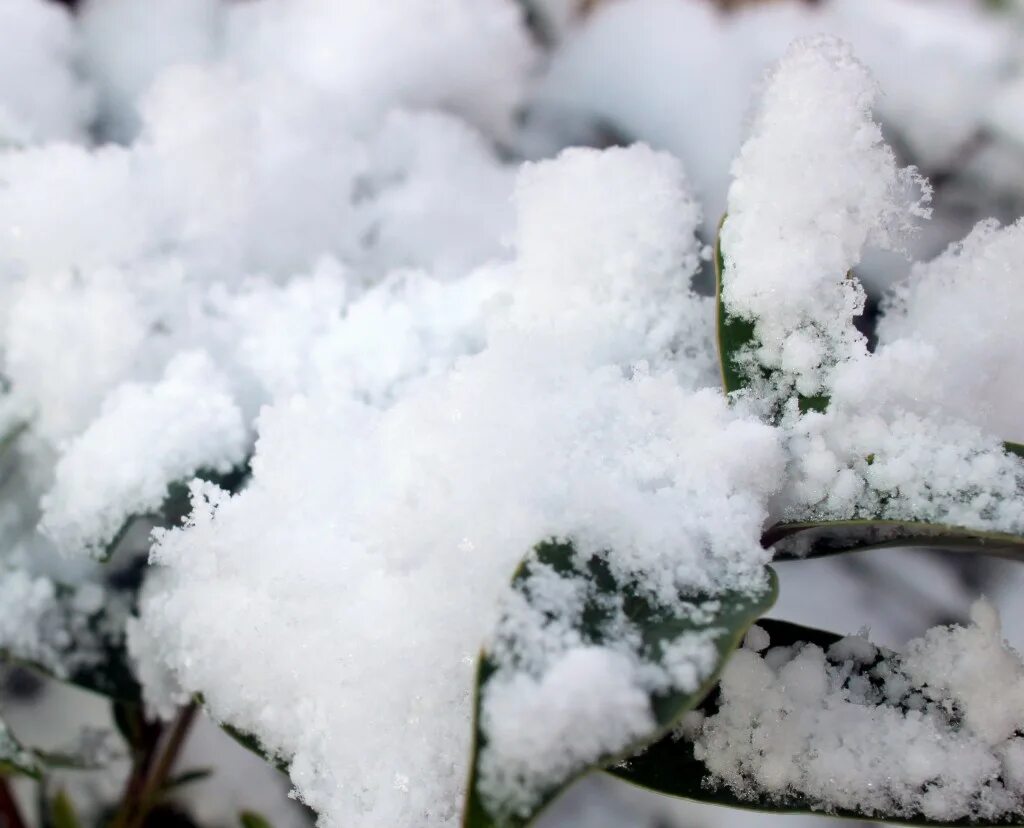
{"x":736,"y":336}
{"x":816,"y":538}
{"x":672,"y":767}
{"x":653,"y":637}
{"x":253,"y":745}
{"x":803,"y":539}
{"x":15,"y":758}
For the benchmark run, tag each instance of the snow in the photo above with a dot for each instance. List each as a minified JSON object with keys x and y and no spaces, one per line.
{"x":970,"y":365}
{"x":317,"y":247}
{"x":554,"y":427}
{"x":184,"y":423}
{"x":813,"y":184}
{"x":680,"y":75}
{"x":930,"y":731}
{"x":127,"y":45}
{"x":38,"y":43}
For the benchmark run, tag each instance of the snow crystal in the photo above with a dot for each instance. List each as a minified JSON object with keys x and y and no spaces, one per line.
{"x":812,"y":185}
{"x":547,"y":425}
{"x":930,"y":732}
{"x":185,"y":422}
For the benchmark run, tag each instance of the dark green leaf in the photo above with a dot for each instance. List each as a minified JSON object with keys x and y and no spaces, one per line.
{"x":62,"y":812}
{"x":730,"y":617}
{"x":250,"y":819}
{"x":669,"y":766}
{"x":187,"y":778}
{"x":734,"y":335}
{"x":251,"y":743}
{"x":177,"y":504}
{"x":813,"y":539}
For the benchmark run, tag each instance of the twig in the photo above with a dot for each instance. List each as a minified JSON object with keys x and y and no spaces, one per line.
{"x":144,"y":790}
{"x":10,"y":813}
{"x":175,"y":742}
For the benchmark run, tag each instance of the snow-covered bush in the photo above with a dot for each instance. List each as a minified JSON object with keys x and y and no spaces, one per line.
{"x":434,"y":477}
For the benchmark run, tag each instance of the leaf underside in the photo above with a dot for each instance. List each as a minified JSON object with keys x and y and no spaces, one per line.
{"x":669,"y":766}
{"x":735,"y":613}
{"x":813,"y":539}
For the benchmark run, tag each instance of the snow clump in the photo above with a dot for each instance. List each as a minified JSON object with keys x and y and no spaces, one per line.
{"x":933,"y":731}
{"x":560,"y":423}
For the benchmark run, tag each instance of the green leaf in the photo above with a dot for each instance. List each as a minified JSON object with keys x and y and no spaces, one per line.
{"x":15,"y":758}
{"x":18,"y":760}
{"x":253,"y":744}
{"x":669,"y":766}
{"x":251,"y":819}
{"x":110,"y":675}
{"x":724,"y":617}
{"x":62,"y":812}
{"x":177,"y":505}
{"x":734,"y":334}
{"x":813,"y":539}
{"x":187,"y":778}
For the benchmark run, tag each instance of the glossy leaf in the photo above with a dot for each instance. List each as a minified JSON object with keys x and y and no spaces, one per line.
{"x":669,"y":766}
{"x":730,"y":617}
{"x":815,"y":539}
{"x":251,"y":743}
{"x":62,"y":812}
{"x":734,"y":334}
{"x":186,"y":778}
{"x":251,"y":819}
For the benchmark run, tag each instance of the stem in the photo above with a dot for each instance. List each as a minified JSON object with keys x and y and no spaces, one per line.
{"x":175,"y":742}
{"x":151,"y":769}
{"x":10,"y":813}
{"x":142,"y":758}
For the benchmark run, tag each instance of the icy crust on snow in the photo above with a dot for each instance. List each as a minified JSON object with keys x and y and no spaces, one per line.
{"x":813,"y":184}
{"x":933,"y":731}
{"x":185,"y":422}
{"x":556,"y":424}
{"x":955,"y":321}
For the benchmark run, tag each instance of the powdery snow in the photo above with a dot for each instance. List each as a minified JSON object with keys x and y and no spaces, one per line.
{"x":182,"y":424}
{"x":813,"y":184}
{"x":556,"y":427}
{"x":932,"y":731}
